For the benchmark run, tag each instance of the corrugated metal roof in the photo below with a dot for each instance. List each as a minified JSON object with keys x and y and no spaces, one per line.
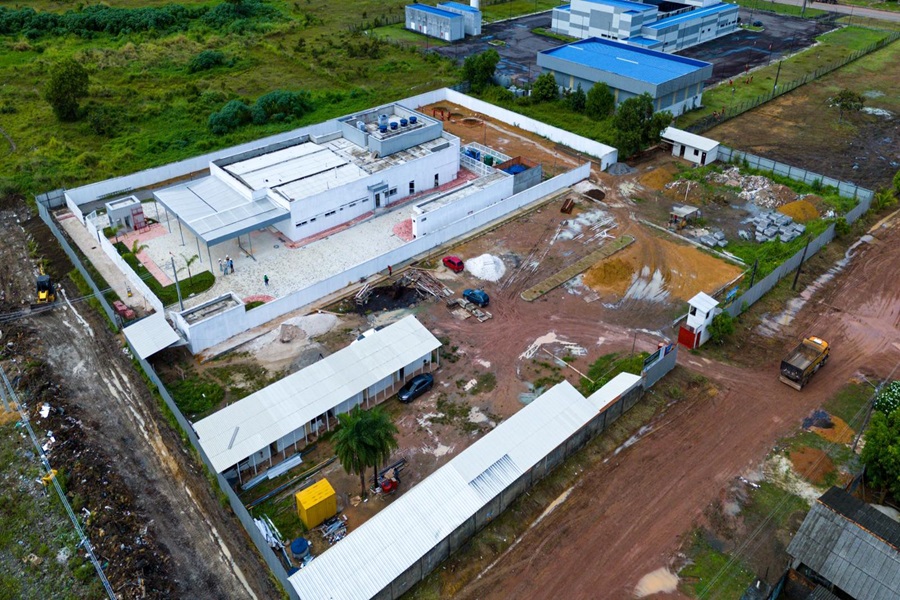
{"x":215,"y":212}
{"x":150,"y":335}
{"x":821,"y":593}
{"x":697,"y":14}
{"x":844,"y":552}
{"x":689,"y":139}
{"x":385,"y":546}
{"x":435,"y":11}
{"x":703,"y":302}
{"x":241,"y":429}
{"x":459,"y":6}
{"x":621,"y":59}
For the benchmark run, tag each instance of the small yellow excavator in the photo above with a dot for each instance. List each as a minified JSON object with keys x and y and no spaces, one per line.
{"x":46,"y":291}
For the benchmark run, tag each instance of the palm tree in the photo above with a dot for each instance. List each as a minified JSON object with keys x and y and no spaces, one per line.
{"x":188,"y":262}
{"x":365,"y":439}
{"x":137,"y":246}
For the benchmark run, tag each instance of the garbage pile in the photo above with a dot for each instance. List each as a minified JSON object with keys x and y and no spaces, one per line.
{"x":771,"y":226}
{"x":758,"y":189}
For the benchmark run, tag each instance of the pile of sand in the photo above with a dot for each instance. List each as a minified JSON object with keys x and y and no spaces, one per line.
{"x":659,"y":177}
{"x":486,"y":267}
{"x":800,"y":210}
{"x":839,"y":432}
{"x":812,"y":464}
{"x":612,"y":275}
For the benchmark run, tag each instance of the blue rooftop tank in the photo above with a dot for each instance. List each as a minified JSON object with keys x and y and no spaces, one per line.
{"x":382,"y":120}
{"x":403,"y":122}
{"x":413,"y":119}
{"x":393,"y":125}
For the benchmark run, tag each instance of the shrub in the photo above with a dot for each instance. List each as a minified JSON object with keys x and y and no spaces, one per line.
{"x":280,"y":104}
{"x":103,"y":120}
{"x":208,"y":59}
{"x":194,"y":396}
{"x":233,"y":115}
{"x":721,"y":328}
{"x":889,"y":399}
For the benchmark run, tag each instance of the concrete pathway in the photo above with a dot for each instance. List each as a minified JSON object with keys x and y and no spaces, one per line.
{"x":90,"y":248}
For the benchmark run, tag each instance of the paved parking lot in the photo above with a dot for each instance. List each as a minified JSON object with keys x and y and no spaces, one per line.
{"x":731,"y":55}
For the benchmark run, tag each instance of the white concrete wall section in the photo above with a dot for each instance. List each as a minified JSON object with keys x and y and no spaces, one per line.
{"x":310,"y":215}
{"x":93,"y":191}
{"x":136,"y":282}
{"x":430,"y":221}
{"x":606,"y":154}
{"x":218,"y":328}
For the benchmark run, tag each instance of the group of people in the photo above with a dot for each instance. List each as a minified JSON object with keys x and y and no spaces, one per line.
{"x":226,"y":266}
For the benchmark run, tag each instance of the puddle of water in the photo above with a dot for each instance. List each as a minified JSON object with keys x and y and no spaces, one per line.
{"x":656,"y":582}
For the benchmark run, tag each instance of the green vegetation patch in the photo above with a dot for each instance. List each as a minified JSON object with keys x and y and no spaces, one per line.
{"x":194,"y":284}
{"x":608,"y":366}
{"x":848,"y":401}
{"x":195,"y":396}
{"x":781,"y":9}
{"x":772,"y":254}
{"x":712,"y":573}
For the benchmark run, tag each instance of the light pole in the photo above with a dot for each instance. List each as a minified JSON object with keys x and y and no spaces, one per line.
{"x":177,"y":285}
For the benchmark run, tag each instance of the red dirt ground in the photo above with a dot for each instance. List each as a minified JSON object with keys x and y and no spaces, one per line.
{"x":626,"y":516}
{"x":812,"y":464}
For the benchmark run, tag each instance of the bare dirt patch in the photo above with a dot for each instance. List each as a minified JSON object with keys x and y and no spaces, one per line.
{"x":839,"y":432}
{"x":812,"y":464}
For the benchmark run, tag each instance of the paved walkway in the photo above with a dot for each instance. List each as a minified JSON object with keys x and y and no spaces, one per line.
{"x":104,"y":264}
{"x":884,"y":15}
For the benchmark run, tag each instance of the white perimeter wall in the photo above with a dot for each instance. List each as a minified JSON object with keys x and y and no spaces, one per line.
{"x":428,"y":222}
{"x":607,"y":155}
{"x":218,"y":328}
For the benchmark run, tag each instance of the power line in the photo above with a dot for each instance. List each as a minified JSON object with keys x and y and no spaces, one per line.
{"x":45,"y":463}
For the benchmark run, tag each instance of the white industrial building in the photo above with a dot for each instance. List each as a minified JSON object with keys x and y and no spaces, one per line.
{"x":253,"y":432}
{"x":312,"y":183}
{"x":690,"y":146}
{"x":681,"y":25}
{"x":406,"y":540}
{"x":471,"y":15}
{"x":435,"y":22}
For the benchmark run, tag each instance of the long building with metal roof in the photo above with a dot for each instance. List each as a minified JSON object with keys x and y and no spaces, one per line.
{"x":275,"y":419}
{"x":674,"y":82}
{"x":400,"y":545}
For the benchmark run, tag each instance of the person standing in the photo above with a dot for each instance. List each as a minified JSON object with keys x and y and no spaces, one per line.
{"x":390,"y":271}
{"x":221,"y":268}
{"x":266,"y":280}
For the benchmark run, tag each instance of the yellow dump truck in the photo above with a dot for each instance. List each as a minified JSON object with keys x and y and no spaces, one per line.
{"x":804,"y":361}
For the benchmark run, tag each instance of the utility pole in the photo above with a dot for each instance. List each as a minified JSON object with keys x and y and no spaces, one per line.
{"x":800,"y":266}
{"x":803,"y":8}
{"x":177,"y":285}
{"x":777,"y":73}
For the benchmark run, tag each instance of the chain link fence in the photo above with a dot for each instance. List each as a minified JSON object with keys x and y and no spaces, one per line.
{"x":711,"y":121}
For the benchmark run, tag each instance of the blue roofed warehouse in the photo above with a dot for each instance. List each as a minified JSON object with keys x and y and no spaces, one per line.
{"x":674,"y":82}
{"x":435,"y":22}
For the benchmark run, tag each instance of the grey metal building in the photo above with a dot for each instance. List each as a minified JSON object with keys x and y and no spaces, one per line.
{"x":849,"y":548}
{"x":674,"y":82}
{"x":471,"y":16}
{"x":435,"y":22}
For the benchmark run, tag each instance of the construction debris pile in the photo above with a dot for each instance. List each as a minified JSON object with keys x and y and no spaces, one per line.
{"x":757,"y":189}
{"x":772,"y":226}
{"x":122,"y":538}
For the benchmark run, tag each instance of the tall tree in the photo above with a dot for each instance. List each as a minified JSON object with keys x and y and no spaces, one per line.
{"x":545,"y":88}
{"x":636,"y":124}
{"x":881,"y":454}
{"x":365,"y":439}
{"x":847,"y":101}
{"x":577,"y":99}
{"x":188,"y":261}
{"x":478,"y":69}
{"x":599,"y":102}
{"x":67,"y":85}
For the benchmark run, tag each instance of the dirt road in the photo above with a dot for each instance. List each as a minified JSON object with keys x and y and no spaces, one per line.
{"x":625,"y":517}
{"x":110,"y":426}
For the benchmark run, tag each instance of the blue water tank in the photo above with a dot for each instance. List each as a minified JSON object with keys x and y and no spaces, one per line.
{"x":382,"y":128}
{"x":292,"y":570}
{"x":300,"y":548}
{"x":393,"y":125}
{"x":413,"y":119}
{"x":382,"y":120}
{"x":403,"y":122}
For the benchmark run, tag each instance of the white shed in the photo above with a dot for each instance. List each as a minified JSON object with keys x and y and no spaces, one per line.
{"x":689,"y":146}
{"x":127,"y":213}
{"x":695,"y":332}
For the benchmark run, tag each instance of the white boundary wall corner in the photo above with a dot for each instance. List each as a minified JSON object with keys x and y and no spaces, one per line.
{"x":607,"y":155}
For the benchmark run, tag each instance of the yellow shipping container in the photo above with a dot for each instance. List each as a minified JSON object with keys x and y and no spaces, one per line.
{"x":316,"y":503}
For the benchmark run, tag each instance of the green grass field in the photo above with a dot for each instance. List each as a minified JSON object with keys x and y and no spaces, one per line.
{"x":161,"y":110}
{"x":782,"y":9}
{"x":506,"y":10}
{"x":832,"y":47}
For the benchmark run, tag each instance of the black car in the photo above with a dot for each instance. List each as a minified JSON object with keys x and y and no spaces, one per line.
{"x":415,"y":387}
